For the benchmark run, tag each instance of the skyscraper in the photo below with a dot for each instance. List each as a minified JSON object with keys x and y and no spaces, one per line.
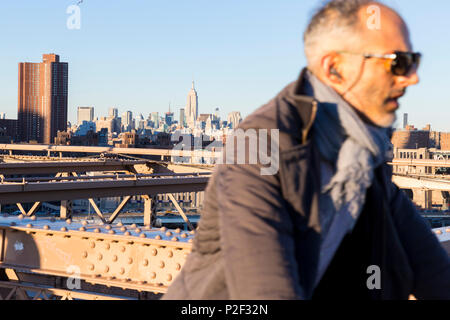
{"x":182,"y":118}
{"x":405,"y":120}
{"x":113,"y":113}
{"x":192,"y":106}
{"x":234,"y":118}
{"x":127,"y":121}
{"x":42,"y":99}
{"x":155,"y":119}
{"x":85,"y":114}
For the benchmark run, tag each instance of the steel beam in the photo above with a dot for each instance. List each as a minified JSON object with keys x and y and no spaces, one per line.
{"x":71,"y":190}
{"x":135,"y":151}
{"x":19,"y":168}
{"x":180,"y":211}
{"x":426,"y":183}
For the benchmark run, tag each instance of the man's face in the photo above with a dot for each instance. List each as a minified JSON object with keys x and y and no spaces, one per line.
{"x":374,"y":90}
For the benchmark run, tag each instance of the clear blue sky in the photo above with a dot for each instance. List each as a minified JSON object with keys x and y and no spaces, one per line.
{"x":139,"y":55}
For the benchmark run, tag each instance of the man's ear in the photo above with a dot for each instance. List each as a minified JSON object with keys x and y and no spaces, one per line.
{"x":331,"y":65}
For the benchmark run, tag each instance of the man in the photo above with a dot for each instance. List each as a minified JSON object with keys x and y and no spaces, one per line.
{"x":330,"y":223}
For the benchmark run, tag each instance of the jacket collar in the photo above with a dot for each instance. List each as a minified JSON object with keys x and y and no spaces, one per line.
{"x":306,"y":106}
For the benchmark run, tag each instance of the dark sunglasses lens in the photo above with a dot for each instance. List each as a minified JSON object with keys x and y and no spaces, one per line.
{"x":404,"y":62}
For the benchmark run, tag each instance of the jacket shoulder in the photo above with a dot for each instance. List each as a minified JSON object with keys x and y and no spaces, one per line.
{"x":285,"y":113}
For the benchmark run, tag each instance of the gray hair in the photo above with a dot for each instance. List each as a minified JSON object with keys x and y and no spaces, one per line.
{"x":336,"y":19}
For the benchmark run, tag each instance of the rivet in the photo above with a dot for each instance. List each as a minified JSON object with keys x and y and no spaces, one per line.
{"x":169,"y":277}
{"x":114,"y":258}
{"x":29,"y":225}
{"x":158,"y":237}
{"x":154,"y":252}
{"x":174,"y":239}
{"x":161,"y":264}
{"x":123,"y":229}
{"x":130,"y":260}
{"x":84,"y":254}
{"x":46,"y":227}
{"x":99,"y":256}
{"x":142,"y":235}
{"x":138,"y":230}
{"x":178,"y":267}
{"x":20,"y":216}
{"x":69,"y":221}
{"x":97,"y":230}
{"x":91,"y":267}
{"x":106,"y":269}
{"x":120,"y":224}
{"x":127,"y":233}
{"x":177,"y":230}
{"x":163,"y":229}
{"x":145,"y":263}
{"x":84,"y":223}
{"x":190,"y":240}
{"x":184,"y":235}
{"x":133,"y":225}
{"x":111,"y":232}
{"x":82,"y":229}
{"x":438,"y":232}
{"x":170,"y":254}
{"x":122,"y":270}
{"x":63,"y":229}
{"x":447,"y":230}
{"x":33,"y":218}
{"x":122,"y":249}
{"x":142,"y":281}
{"x":153,"y":275}
{"x":107,"y":246}
{"x":108,"y":227}
{"x":92,"y":244}
{"x":168,"y":233}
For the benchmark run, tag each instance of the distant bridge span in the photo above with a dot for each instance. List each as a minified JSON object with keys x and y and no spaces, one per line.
{"x":421,"y":182}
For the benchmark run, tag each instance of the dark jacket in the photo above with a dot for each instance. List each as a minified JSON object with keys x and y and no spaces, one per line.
{"x":259,"y":236}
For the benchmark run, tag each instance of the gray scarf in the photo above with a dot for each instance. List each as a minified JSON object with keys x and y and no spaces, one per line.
{"x":352,"y":147}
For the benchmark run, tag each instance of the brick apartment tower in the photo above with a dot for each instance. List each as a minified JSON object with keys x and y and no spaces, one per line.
{"x":42,"y":104}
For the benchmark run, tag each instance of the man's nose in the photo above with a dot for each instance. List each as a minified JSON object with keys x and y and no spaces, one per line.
{"x":409,"y":80}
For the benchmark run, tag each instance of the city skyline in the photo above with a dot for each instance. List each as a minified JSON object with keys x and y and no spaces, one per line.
{"x":237,"y":59}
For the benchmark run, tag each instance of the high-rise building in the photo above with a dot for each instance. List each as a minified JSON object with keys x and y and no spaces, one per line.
{"x":182,"y":118}
{"x":405,"y":120}
{"x":169,"y":118}
{"x":127,"y":121}
{"x":155,"y":119}
{"x":113,"y":113}
{"x":42,"y":103}
{"x":85,"y":114}
{"x":192,"y":106}
{"x":234,"y":118}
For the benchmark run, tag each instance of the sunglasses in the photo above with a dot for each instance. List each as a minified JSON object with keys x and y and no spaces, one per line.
{"x":399,"y":63}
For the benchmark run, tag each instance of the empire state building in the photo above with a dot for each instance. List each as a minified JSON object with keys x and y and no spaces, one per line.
{"x":192,"y":106}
